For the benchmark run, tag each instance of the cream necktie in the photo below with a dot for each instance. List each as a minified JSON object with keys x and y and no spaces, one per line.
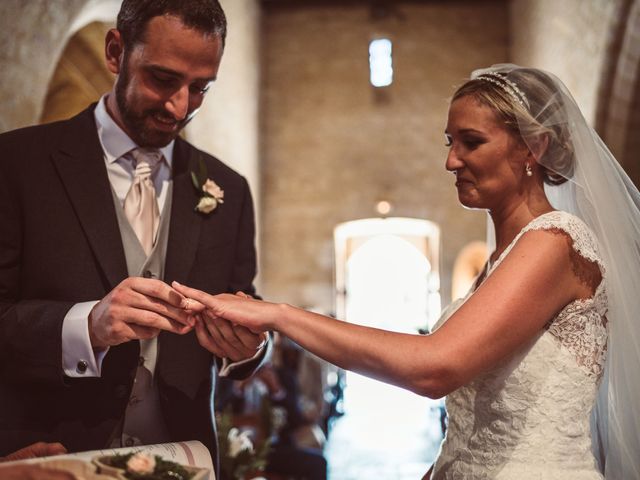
{"x":140,"y":204}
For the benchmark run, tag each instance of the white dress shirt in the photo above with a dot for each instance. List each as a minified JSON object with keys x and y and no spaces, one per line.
{"x":78,"y":357}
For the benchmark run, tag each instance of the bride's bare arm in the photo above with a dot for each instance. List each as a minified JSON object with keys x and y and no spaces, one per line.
{"x":532,"y":284}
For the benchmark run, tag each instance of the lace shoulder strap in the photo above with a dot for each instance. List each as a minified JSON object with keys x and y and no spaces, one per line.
{"x":584,"y":241}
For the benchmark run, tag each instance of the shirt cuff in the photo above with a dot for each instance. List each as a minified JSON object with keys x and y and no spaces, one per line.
{"x":228,"y":366}
{"x":78,"y":357}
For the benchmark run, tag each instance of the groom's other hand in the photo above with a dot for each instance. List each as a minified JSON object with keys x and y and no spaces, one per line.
{"x":33,"y":472}
{"x":39,"y":449}
{"x":226,"y":340}
{"x":138,"y":308}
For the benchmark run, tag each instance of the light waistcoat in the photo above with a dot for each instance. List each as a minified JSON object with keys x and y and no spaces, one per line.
{"x":143,"y":423}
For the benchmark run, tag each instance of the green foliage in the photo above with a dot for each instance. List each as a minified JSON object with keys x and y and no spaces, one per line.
{"x":199,"y":178}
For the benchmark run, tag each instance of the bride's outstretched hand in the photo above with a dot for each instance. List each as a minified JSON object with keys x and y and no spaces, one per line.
{"x":240,"y":309}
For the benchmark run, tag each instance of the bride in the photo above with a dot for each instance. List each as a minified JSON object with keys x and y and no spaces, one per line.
{"x":552,"y":317}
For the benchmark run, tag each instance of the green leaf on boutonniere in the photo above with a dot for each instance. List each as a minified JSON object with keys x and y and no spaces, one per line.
{"x":195,"y":181}
{"x":202,"y":170}
{"x":199,"y":178}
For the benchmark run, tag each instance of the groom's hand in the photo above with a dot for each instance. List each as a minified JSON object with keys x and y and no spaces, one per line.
{"x":138,"y":308}
{"x":226,"y":340}
{"x":33,"y":472}
{"x":39,"y":449}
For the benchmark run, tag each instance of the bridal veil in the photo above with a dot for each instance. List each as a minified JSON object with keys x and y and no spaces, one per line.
{"x":587,"y":181}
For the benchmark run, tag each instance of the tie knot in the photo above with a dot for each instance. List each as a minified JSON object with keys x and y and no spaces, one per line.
{"x":145,"y":160}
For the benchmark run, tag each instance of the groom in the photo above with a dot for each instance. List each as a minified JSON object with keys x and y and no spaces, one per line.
{"x":98,"y":215}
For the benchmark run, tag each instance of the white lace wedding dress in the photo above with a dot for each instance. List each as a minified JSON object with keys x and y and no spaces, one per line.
{"x":528,"y":418}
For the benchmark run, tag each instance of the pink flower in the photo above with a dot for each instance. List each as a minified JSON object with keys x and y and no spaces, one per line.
{"x":212,"y":189}
{"x":213,"y":195}
{"x":141,"y":463}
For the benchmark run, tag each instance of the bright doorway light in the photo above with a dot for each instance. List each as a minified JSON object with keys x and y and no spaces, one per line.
{"x":387,"y":277}
{"x":387,"y":285}
{"x":414,"y":242}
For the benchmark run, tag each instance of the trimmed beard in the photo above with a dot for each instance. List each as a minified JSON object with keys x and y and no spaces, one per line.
{"x":135,"y":122}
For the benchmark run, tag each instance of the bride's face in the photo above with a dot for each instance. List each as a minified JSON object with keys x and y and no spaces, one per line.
{"x":487,"y":160}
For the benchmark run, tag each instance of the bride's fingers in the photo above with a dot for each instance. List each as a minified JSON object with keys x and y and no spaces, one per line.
{"x":192,"y":306}
{"x":194,"y":294}
{"x":244,"y":295}
{"x":223,"y":305}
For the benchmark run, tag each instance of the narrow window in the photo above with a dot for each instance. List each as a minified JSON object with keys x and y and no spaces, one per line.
{"x":380,"y":62}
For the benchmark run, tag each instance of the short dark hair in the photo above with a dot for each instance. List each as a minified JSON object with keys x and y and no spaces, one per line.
{"x":206,"y":16}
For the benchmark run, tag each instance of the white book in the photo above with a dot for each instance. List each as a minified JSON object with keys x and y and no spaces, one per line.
{"x":192,"y":453}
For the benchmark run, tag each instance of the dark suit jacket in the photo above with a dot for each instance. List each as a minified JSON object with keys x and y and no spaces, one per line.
{"x":60,"y":244}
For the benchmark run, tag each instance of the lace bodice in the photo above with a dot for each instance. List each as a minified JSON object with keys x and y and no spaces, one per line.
{"x":529,"y":416}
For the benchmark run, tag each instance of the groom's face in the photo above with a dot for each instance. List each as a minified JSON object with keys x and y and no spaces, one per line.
{"x":162,"y":80}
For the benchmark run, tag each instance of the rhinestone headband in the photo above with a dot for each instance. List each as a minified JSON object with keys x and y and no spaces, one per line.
{"x":507,"y":86}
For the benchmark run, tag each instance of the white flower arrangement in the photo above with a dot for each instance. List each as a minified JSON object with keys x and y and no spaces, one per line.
{"x":242,"y":457}
{"x":238,"y":442}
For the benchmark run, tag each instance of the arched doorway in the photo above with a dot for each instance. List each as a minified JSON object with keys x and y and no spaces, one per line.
{"x":468,"y":265}
{"x":387,"y":276}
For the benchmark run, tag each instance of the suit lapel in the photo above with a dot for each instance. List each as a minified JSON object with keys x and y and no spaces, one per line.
{"x":184,"y":229}
{"x":80,"y":164}
{"x":184,"y":233}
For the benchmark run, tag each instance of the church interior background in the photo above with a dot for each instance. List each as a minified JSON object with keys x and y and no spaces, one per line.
{"x":296,"y":111}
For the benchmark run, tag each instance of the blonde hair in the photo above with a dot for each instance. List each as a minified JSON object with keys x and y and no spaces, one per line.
{"x":528,"y":123}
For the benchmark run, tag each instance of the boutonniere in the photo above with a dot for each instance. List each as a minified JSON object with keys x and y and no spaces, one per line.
{"x":210,"y":192}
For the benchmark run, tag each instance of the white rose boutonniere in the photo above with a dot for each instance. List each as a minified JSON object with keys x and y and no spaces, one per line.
{"x":210,"y":191}
{"x":206,"y":204}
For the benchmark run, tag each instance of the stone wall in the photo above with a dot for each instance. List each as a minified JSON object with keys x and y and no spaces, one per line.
{"x":227,"y":124}
{"x":568,"y":38}
{"x":332,"y":146}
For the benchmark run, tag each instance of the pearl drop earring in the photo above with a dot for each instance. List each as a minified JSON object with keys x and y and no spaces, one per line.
{"x":527,"y":169}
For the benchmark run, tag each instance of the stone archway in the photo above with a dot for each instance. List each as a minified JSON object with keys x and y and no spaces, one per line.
{"x":33,"y":42}
{"x":81,"y":76}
